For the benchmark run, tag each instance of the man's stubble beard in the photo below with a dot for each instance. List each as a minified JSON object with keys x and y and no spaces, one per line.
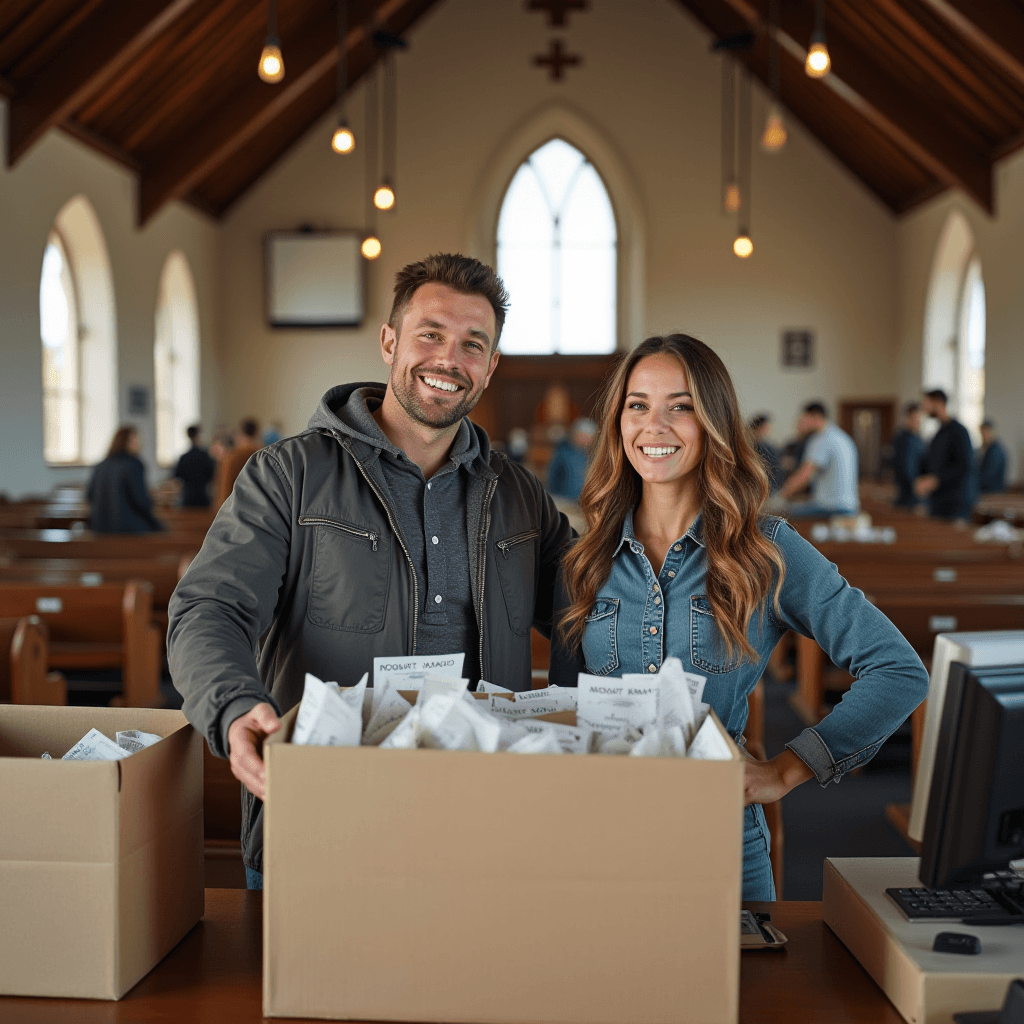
{"x":408,"y":399}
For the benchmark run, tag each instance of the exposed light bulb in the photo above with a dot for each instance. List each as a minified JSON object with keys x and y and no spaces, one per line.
{"x":743,"y":246}
{"x":343,"y":141}
{"x":370,"y":247}
{"x":271,"y":67}
{"x":818,"y":63}
{"x":774,"y":136}
{"x":732,"y":200}
{"x":384,"y":197}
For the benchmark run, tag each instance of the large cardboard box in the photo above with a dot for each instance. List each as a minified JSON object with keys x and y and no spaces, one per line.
{"x":425,"y":885}
{"x":926,"y":987}
{"x":101,"y":862}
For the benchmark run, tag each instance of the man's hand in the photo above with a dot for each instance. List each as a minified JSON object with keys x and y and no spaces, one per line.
{"x":924,"y":485}
{"x":245,"y":747}
{"x":764,"y":782}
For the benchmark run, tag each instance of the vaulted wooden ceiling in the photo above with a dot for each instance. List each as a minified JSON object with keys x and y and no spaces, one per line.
{"x":924,"y":94}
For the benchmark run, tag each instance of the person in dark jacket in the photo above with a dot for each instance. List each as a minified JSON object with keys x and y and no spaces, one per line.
{"x":119,"y":500}
{"x":908,"y":451}
{"x":195,"y":470}
{"x":760,"y":427}
{"x":991,"y":461}
{"x":388,"y":528}
{"x":948,"y":465}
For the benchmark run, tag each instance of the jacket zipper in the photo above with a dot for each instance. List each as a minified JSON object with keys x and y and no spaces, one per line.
{"x":491,"y":488}
{"x":504,"y":546}
{"x":344,"y":527}
{"x":394,"y":530}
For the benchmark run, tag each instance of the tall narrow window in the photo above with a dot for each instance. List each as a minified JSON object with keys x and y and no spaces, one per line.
{"x":176,"y":359}
{"x":557,"y":256}
{"x":59,"y":327}
{"x":971,"y":361}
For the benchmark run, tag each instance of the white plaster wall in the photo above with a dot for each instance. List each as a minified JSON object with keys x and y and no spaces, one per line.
{"x":825,"y":249}
{"x":998,"y":242}
{"x":31,"y":194}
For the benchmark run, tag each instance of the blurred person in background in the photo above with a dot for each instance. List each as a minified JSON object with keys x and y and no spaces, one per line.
{"x":246,"y":443}
{"x":119,"y":499}
{"x":829,"y":467}
{"x":948,"y":466}
{"x":908,"y":451}
{"x":273,"y":433}
{"x":569,"y":466}
{"x":991,"y":461}
{"x":195,"y":470}
{"x":760,"y":427}
{"x":517,"y":444}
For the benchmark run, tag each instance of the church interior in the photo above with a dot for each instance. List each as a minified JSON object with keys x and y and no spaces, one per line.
{"x":204,"y":204}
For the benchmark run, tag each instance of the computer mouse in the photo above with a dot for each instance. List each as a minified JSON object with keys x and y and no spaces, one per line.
{"x":956,"y":942}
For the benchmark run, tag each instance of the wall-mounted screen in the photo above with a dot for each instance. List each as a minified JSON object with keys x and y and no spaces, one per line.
{"x":314,"y":279}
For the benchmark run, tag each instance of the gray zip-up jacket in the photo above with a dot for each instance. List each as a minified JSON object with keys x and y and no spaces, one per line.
{"x":304,"y":570}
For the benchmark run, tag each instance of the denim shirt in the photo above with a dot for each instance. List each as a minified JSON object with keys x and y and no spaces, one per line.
{"x":639,"y":619}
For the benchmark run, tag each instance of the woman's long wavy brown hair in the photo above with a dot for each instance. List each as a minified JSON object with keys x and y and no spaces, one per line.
{"x":742,"y":563}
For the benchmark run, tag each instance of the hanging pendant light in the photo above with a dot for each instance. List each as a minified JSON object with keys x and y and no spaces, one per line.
{"x":774,"y":136}
{"x":742,"y":245}
{"x":384,"y":195}
{"x":343,"y":140}
{"x":271,"y":66}
{"x":371,"y":247}
{"x":818,"y":63}
{"x":732,"y":198}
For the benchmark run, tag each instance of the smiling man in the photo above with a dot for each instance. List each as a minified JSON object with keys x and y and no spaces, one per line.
{"x":388,"y":527}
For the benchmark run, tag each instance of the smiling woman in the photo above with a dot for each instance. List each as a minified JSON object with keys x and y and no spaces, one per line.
{"x":679,"y":560}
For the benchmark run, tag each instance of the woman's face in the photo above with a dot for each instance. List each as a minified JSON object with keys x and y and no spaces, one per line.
{"x":134,"y":444}
{"x":662,"y":437}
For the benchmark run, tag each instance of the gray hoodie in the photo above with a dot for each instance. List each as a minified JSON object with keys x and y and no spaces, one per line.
{"x":304,"y":570}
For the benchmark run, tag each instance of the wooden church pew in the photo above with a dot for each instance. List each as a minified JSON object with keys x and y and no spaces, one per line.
{"x":109,"y":626}
{"x":23,"y":664}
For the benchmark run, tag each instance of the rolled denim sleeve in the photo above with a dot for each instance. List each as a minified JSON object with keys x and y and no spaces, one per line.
{"x":889,"y":678}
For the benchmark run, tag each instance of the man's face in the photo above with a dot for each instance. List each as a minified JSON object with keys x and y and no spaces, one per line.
{"x":443,"y":355}
{"x":986,"y":435}
{"x":929,"y":406}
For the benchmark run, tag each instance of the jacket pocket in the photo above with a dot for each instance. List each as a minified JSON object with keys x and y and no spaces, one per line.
{"x":600,"y":640}
{"x":707,"y":647}
{"x":517,"y":562}
{"x":351,"y":574}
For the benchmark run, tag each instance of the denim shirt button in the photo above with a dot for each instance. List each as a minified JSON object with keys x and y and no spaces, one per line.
{"x":652,"y":667}
{"x":654,"y":630}
{"x":657,"y":600}
{"x":677,"y":547}
{"x":671,"y":573}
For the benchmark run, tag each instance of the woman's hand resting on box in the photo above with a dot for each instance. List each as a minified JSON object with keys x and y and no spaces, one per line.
{"x":764,"y":782}
{"x":245,"y":747}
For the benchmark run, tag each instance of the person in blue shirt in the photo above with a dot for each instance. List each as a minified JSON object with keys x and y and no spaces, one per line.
{"x":908,"y":451}
{"x":569,"y":466}
{"x":680,"y":560}
{"x":991,"y":459}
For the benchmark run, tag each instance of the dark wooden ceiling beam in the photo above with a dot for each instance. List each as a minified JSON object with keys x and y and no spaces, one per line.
{"x":881,"y":98}
{"x":994,"y":27}
{"x":184,"y":162}
{"x":109,"y":40}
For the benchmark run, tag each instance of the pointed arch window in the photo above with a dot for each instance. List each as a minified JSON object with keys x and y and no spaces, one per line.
{"x":176,"y":360}
{"x":61,"y":336}
{"x":557,"y":254}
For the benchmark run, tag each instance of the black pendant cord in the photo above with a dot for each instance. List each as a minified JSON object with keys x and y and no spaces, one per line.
{"x":775,"y":64}
{"x":728,"y":123}
{"x":342,"y":80}
{"x":745,"y":127}
{"x":372,"y":168}
{"x":390,"y":111}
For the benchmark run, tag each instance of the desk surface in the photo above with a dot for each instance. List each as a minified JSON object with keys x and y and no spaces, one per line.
{"x":213,"y":975}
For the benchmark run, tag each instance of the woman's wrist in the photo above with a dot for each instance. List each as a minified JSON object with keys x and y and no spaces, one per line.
{"x":792,"y":771}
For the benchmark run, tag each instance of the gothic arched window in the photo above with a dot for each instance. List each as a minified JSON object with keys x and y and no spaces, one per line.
{"x":557,"y":255}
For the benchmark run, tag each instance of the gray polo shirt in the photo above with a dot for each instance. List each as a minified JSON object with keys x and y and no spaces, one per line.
{"x":432,"y":520}
{"x":835,"y":455}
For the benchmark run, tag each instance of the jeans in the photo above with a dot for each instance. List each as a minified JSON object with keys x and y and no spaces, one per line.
{"x":811,"y":509}
{"x":758,"y":882}
{"x":254,"y":880}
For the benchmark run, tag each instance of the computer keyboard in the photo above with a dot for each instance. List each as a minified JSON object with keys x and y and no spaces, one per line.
{"x":997,"y":896}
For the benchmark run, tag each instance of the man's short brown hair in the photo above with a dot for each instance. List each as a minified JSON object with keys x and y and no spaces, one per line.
{"x":462,"y":273}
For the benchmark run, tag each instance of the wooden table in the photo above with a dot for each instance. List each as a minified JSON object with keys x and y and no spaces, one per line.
{"x":213,"y":977}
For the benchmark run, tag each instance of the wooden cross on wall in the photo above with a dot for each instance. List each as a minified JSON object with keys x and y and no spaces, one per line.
{"x":558,"y":10}
{"x":556,"y":60}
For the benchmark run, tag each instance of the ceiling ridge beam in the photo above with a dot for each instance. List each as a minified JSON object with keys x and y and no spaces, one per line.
{"x":103,"y":46}
{"x":185,"y":161}
{"x":992,"y":33}
{"x":888,"y":105}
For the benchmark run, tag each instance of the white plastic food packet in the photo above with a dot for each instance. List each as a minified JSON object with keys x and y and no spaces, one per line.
{"x":405,"y":735}
{"x":433,"y":686}
{"x":485,"y":687}
{"x":709,"y":744}
{"x":134,"y":740}
{"x":443,"y":726}
{"x":609,"y":705}
{"x":573,"y":739}
{"x":390,"y":707}
{"x":545,"y":742}
{"x":94,"y":746}
{"x":329,"y":716}
{"x":561,"y":698}
{"x":659,"y":742}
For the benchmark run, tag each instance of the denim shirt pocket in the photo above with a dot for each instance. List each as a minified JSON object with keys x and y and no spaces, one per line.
{"x":707,"y":646}
{"x":600,"y":645}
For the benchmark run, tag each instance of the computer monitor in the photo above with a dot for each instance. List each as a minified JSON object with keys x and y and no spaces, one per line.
{"x":995,"y":647}
{"x":975,"y":820}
